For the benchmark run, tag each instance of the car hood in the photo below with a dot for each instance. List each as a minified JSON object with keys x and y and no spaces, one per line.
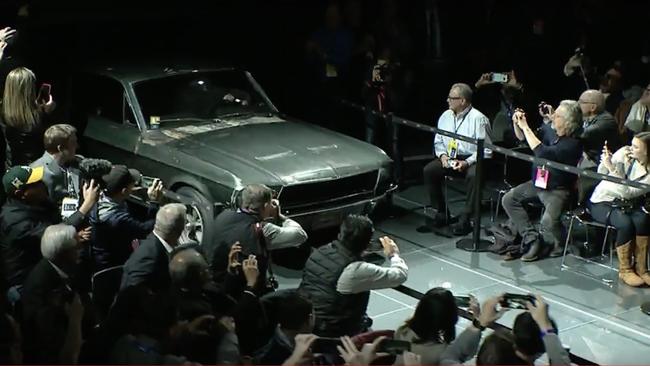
{"x":280,"y":151}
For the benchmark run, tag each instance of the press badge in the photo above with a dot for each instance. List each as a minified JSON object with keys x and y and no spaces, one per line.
{"x":69,"y":206}
{"x":541,"y":178}
{"x":452,"y":149}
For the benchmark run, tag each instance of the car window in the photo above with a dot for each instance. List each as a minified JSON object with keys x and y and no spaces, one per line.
{"x":186,"y":98}
{"x":105,"y":98}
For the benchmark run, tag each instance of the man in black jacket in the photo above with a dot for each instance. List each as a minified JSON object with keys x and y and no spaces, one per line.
{"x":26,"y":214}
{"x":149,"y":263}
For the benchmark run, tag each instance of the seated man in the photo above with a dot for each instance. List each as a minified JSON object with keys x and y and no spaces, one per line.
{"x":114,"y":226}
{"x":455,"y":158}
{"x":556,"y":142}
{"x":338,"y":281}
{"x":61,"y":179}
{"x":26,"y":214}
{"x":149,"y":263}
{"x":638,"y":120}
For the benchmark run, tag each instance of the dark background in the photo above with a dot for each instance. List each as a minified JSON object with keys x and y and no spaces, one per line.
{"x":58,"y":38}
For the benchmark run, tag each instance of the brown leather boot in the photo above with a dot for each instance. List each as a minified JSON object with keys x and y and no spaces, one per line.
{"x":625,"y":271}
{"x":641,"y":258}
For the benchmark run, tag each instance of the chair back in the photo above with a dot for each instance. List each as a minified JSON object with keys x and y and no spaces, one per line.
{"x":105,"y":285}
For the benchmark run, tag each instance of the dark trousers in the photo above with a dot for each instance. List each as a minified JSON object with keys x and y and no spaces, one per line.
{"x":628,"y":225}
{"x":434,"y":178}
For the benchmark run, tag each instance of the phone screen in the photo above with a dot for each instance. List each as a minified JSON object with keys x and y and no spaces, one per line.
{"x":499,"y":77}
{"x":462,"y":301}
{"x":326,"y":345}
{"x":517,"y":301}
{"x":393,"y":346}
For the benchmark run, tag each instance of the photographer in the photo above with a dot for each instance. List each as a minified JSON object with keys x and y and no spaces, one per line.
{"x":115,"y":227}
{"x":613,"y":204}
{"x":377,"y":95}
{"x":558,"y":142}
{"x":27,"y":213}
{"x":259,"y":227}
{"x":338,"y":281}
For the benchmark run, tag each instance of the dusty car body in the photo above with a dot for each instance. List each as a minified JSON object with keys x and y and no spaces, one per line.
{"x":207,"y":133}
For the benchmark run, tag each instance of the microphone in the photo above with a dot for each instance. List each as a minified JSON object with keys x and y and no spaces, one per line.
{"x":94,"y":169}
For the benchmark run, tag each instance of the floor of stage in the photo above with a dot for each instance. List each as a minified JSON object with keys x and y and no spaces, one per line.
{"x":599,"y":323}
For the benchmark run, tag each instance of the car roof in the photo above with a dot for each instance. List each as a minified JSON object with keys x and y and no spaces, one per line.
{"x":134,"y":74}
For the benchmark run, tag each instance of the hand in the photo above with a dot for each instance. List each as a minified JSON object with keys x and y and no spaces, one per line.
{"x":302,"y":349}
{"x":277,"y":210}
{"x":3,"y":45}
{"x":474,"y":307}
{"x":84,"y":235}
{"x":353,"y":356}
{"x":74,"y":309}
{"x":251,"y":271}
{"x":49,"y":106}
{"x":233,"y":263}
{"x":90,"y":192}
{"x":574,"y":62}
{"x":228,"y":322}
{"x":410,"y":358}
{"x":444,"y":159}
{"x":201,"y":325}
{"x":519,"y":117}
{"x":390,"y":248}
{"x":627,"y":151}
{"x":545,"y":110}
{"x":6,"y":33}
{"x":512,"y":80}
{"x":489,"y":313}
{"x":539,"y":312}
{"x":155,"y":191}
{"x":461,"y":165}
{"x":485,"y":79}
{"x":606,"y":158}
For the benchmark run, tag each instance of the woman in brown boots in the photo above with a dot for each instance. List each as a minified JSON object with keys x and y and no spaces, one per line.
{"x":614,"y":204}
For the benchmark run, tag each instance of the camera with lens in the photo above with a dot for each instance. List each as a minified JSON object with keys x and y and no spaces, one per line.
{"x":381,"y":73}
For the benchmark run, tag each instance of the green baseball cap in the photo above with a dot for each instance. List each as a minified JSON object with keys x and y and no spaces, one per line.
{"x":19,"y":176}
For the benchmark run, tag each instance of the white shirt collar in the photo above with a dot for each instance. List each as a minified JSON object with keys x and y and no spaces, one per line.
{"x":168,"y":247}
{"x":463,"y":112}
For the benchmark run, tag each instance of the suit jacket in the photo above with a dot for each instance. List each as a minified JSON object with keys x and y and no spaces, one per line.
{"x":149,"y":264}
{"x":55,"y":178}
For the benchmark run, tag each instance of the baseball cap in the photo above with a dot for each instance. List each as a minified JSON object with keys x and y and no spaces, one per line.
{"x":120,"y":177}
{"x":19,"y":176}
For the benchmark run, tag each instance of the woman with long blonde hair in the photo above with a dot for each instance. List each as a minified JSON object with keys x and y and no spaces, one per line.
{"x":22,"y":115}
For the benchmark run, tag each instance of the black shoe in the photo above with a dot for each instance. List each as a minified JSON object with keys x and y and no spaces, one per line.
{"x":533,"y":253}
{"x":462,"y":228}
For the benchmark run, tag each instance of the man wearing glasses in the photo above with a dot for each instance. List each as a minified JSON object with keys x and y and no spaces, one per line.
{"x":598,"y":127}
{"x":455,"y":158}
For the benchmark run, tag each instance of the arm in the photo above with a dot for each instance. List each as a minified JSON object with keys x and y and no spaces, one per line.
{"x":124,"y":221}
{"x":439,"y":148}
{"x":557,"y":355}
{"x":289,"y":234}
{"x":462,"y":348}
{"x":484,"y":132}
{"x":362,"y":276}
{"x":69,"y":353}
{"x":531,"y":139}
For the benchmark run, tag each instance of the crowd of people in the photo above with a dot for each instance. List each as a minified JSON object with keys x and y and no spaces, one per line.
{"x":64,"y":232}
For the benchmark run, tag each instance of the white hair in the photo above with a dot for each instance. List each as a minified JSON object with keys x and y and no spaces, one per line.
{"x":572,"y":115}
{"x":170,"y":220}
{"x":57,"y":239}
{"x":464,"y":90}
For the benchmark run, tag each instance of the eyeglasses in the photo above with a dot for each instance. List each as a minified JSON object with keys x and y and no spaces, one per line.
{"x":453,"y":98}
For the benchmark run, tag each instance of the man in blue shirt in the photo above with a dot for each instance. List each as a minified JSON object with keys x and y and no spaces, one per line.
{"x":556,"y":141}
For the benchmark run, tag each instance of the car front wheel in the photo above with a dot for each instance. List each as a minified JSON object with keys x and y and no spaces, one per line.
{"x":200,"y":217}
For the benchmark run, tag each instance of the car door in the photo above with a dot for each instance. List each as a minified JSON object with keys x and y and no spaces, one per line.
{"x":111,"y":132}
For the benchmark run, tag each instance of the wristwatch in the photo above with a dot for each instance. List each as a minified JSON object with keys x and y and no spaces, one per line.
{"x":478,"y":325}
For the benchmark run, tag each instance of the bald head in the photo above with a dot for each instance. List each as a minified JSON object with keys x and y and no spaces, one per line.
{"x":592,"y":103}
{"x":170,"y":222}
{"x":189,"y":269}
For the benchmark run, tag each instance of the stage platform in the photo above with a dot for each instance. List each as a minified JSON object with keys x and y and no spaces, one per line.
{"x":598,"y":322}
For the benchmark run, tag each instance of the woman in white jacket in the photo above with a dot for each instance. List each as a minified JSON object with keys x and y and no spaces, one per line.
{"x":632,"y":223}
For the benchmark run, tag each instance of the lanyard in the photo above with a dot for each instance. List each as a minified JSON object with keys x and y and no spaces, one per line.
{"x":456,"y":128}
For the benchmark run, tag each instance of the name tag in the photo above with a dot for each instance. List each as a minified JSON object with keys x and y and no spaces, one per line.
{"x":452,"y":149}
{"x":541,"y":178}
{"x":69,"y":206}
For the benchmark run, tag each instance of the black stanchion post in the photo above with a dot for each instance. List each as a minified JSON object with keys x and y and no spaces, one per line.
{"x":396,"y":154}
{"x":475,"y":244}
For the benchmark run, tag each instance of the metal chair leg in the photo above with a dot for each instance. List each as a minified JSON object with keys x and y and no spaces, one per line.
{"x":567,"y":241}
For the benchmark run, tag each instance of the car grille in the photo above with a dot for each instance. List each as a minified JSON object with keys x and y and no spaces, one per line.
{"x":324,"y":194}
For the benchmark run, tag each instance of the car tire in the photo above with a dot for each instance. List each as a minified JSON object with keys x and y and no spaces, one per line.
{"x":200,"y":221}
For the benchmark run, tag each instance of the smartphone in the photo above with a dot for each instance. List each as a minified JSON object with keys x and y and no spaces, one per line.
{"x":462,"y":301}
{"x":146,"y":181}
{"x":516,"y":301}
{"x":44,"y":93}
{"x":499,"y":77}
{"x":326,"y":345}
{"x":393,"y":346}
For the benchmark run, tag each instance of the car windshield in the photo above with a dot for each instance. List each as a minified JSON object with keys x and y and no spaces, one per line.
{"x":199,"y":96}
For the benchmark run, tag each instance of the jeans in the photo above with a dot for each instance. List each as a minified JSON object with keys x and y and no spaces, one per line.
{"x":554,"y":202}
{"x":628,"y":225}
